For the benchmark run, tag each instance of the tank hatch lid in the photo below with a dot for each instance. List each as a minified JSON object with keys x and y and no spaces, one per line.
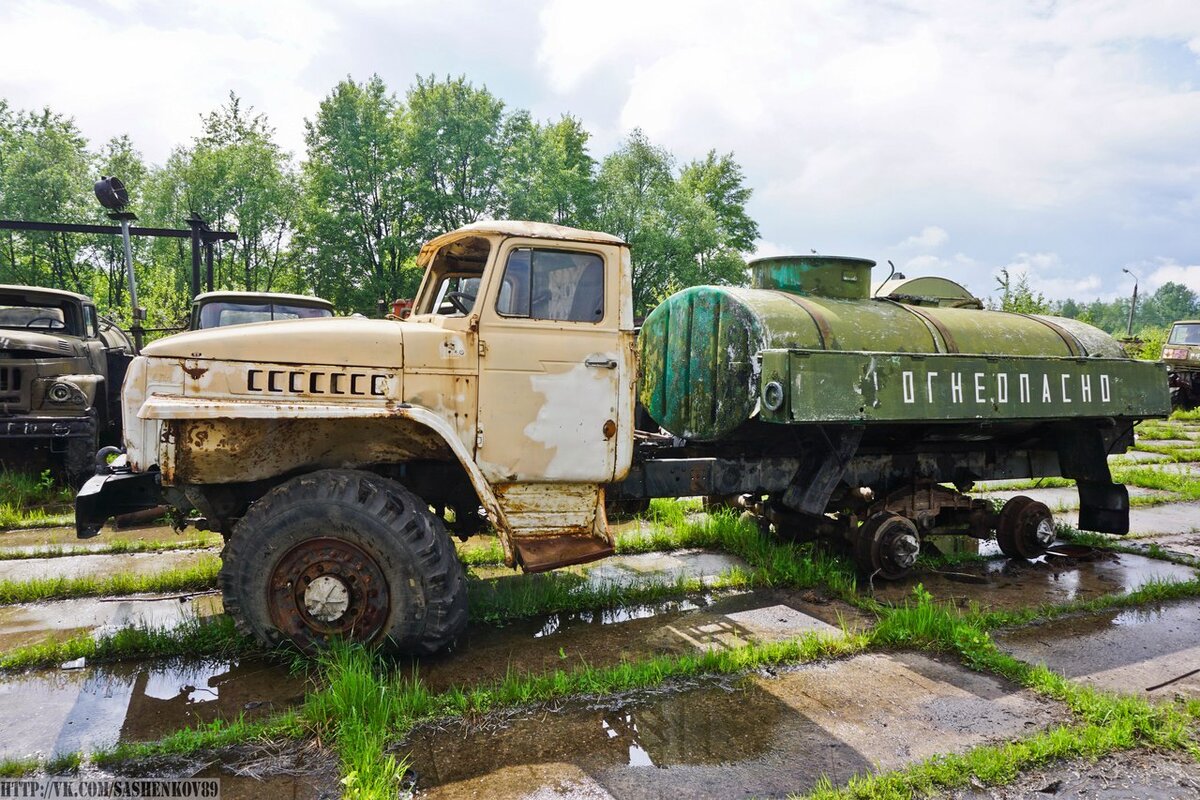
{"x":928,"y":291}
{"x":816,"y":275}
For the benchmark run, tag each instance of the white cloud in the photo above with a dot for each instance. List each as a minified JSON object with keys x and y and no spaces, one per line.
{"x":1047,"y":274}
{"x":1171,"y":272}
{"x":930,"y":237}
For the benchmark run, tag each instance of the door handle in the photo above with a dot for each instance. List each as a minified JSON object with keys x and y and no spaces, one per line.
{"x":601,"y":363}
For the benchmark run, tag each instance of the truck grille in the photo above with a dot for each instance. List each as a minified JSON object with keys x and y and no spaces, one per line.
{"x":10,"y":384}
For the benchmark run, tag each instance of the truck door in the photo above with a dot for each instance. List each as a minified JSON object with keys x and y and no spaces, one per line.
{"x":552,"y":368}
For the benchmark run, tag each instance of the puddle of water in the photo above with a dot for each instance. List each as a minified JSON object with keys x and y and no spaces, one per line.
{"x":36,"y":622}
{"x":100,"y":566}
{"x":59,"y":711}
{"x":1133,"y":650}
{"x":1008,"y":583}
{"x":763,"y":736}
{"x":604,"y":638}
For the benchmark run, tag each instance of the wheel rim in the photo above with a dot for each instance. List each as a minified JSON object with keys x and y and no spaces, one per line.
{"x":1035,"y":529}
{"x":325,"y":588}
{"x":898,"y":549}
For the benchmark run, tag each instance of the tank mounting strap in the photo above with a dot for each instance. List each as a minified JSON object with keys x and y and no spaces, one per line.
{"x":951,"y":346}
{"x":814,"y":311}
{"x":1073,"y":346}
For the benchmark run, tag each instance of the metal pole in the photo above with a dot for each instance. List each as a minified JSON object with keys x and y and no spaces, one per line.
{"x":195,"y":223}
{"x":133,"y":298}
{"x":1132,"y":304}
{"x":208,"y":261}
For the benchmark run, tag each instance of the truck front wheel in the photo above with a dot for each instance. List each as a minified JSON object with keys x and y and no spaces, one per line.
{"x":341,"y":554}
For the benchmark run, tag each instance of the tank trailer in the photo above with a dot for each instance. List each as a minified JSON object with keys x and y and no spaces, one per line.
{"x":328,"y":452}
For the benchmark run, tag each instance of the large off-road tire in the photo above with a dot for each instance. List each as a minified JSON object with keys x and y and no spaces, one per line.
{"x":79,"y":461}
{"x":342,"y":554}
{"x":1025,"y":528}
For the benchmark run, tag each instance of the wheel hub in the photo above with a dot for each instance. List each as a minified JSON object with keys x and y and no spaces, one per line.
{"x":903,"y":550}
{"x":327,"y":598}
{"x":1044,"y":533}
{"x":324,"y":588}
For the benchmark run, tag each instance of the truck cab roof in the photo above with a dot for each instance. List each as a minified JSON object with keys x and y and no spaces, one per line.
{"x":533,"y":230}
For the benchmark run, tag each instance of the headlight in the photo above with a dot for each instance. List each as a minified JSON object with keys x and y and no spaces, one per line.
{"x":61,"y":393}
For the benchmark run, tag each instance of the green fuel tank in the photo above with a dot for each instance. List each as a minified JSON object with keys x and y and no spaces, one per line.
{"x":835,"y":353}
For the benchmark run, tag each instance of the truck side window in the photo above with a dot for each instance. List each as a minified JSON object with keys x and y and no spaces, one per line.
{"x":553,"y":285}
{"x":89,"y":323}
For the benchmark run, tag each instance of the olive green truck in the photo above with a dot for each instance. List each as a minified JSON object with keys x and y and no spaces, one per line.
{"x":333,"y":454}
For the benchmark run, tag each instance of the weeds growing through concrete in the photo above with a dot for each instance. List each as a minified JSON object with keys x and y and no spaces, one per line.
{"x":194,"y":578}
{"x":114,"y":547}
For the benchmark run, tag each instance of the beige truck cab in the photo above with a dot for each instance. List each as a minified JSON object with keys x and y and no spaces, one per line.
{"x":332,"y":452}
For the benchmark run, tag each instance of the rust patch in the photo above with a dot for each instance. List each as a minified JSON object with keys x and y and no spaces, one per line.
{"x":610,"y":429}
{"x":545,"y":553}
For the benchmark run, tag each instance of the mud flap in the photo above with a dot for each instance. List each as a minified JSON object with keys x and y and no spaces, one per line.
{"x":1103,"y":505}
{"x":107,"y":496}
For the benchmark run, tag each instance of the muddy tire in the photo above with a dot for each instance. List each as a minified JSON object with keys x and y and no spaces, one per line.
{"x":341,"y":554}
{"x":1025,"y":528}
{"x":79,"y":461}
{"x":886,"y":546}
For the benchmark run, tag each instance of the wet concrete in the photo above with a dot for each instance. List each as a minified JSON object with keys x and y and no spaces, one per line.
{"x":47,"y":712}
{"x":101,"y":566}
{"x":37,"y":622}
{"x":1188,"y":468}
{"x":763,"y":736}
{"x":1064,"y":498}
{"x":65,"y":537}
{"x":1126,"y":651}
{"x":1141,"y":774}
{"x":605,"y":638}
{"x":1168,"y":518}
{"x":1008,"y":583}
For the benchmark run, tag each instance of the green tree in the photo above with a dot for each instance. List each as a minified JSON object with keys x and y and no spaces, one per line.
{"x":1018,"y":296}
{"x":547,"y":174}
{"x":45,"y":169}
{"x":1170,"y":302}
{"x":683,"y":231}
{"x":453,"y":139}
{"x":237,"y":178}
{"x":358,"y":229}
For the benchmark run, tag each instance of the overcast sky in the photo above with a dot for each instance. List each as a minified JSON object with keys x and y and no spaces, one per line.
{"x":954,"y":137}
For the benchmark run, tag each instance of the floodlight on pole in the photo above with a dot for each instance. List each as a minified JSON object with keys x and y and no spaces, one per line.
{"x":1132,"y":304}
{"x":113,"y":195}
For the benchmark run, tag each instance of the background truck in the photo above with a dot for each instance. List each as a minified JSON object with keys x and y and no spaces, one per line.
{"x":61,"y":367}
{"x":329,"y":452}
{"x":1181,"y":354}
{"x":217,"y":309}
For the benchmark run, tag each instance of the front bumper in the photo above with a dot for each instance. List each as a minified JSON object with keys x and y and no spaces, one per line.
{"x":49,"y":428}
{"x":119,"y":491}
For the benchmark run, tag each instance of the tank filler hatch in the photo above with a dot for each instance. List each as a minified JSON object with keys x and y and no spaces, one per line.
{"x":818,"y":276}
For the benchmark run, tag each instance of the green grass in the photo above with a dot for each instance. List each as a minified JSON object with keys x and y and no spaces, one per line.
{"x":33,"y":501}
{"x":114,"y":547}
{"x":14,"y":517}
{"x":18,"y":767}
{"x":198,"y":577}
{"x":209,"y":636}
{"x":210,"y":736}
{"x":1185,"y":416}
{"x":1161,"y":430}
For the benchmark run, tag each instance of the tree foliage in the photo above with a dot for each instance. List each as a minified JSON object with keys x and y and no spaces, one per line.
{"x":381,"y":174}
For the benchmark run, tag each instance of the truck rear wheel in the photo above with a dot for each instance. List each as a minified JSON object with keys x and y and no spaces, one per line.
{"x":341,"y":554}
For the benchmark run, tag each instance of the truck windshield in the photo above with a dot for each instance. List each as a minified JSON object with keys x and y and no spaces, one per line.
{"x":220,"y":314}
{"x":34,"y":317}
{"x":1185,"y":334}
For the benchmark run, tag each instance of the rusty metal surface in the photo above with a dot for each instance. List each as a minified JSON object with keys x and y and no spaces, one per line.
{"x":550,"y":552}
{"x":368,"y":601}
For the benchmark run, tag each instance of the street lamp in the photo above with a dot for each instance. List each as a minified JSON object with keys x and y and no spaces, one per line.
{"x":113,"y":195}
{"x":1132,"y":305}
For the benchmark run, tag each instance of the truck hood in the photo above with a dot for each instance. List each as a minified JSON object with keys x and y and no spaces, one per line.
{"x":338,"y":341}
{"x":36,"y":345}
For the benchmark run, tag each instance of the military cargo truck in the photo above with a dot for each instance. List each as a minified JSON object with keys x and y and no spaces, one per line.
{"x":61,"y":366}
{"x":1181,"y":354}
{"x":328,"y":452}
